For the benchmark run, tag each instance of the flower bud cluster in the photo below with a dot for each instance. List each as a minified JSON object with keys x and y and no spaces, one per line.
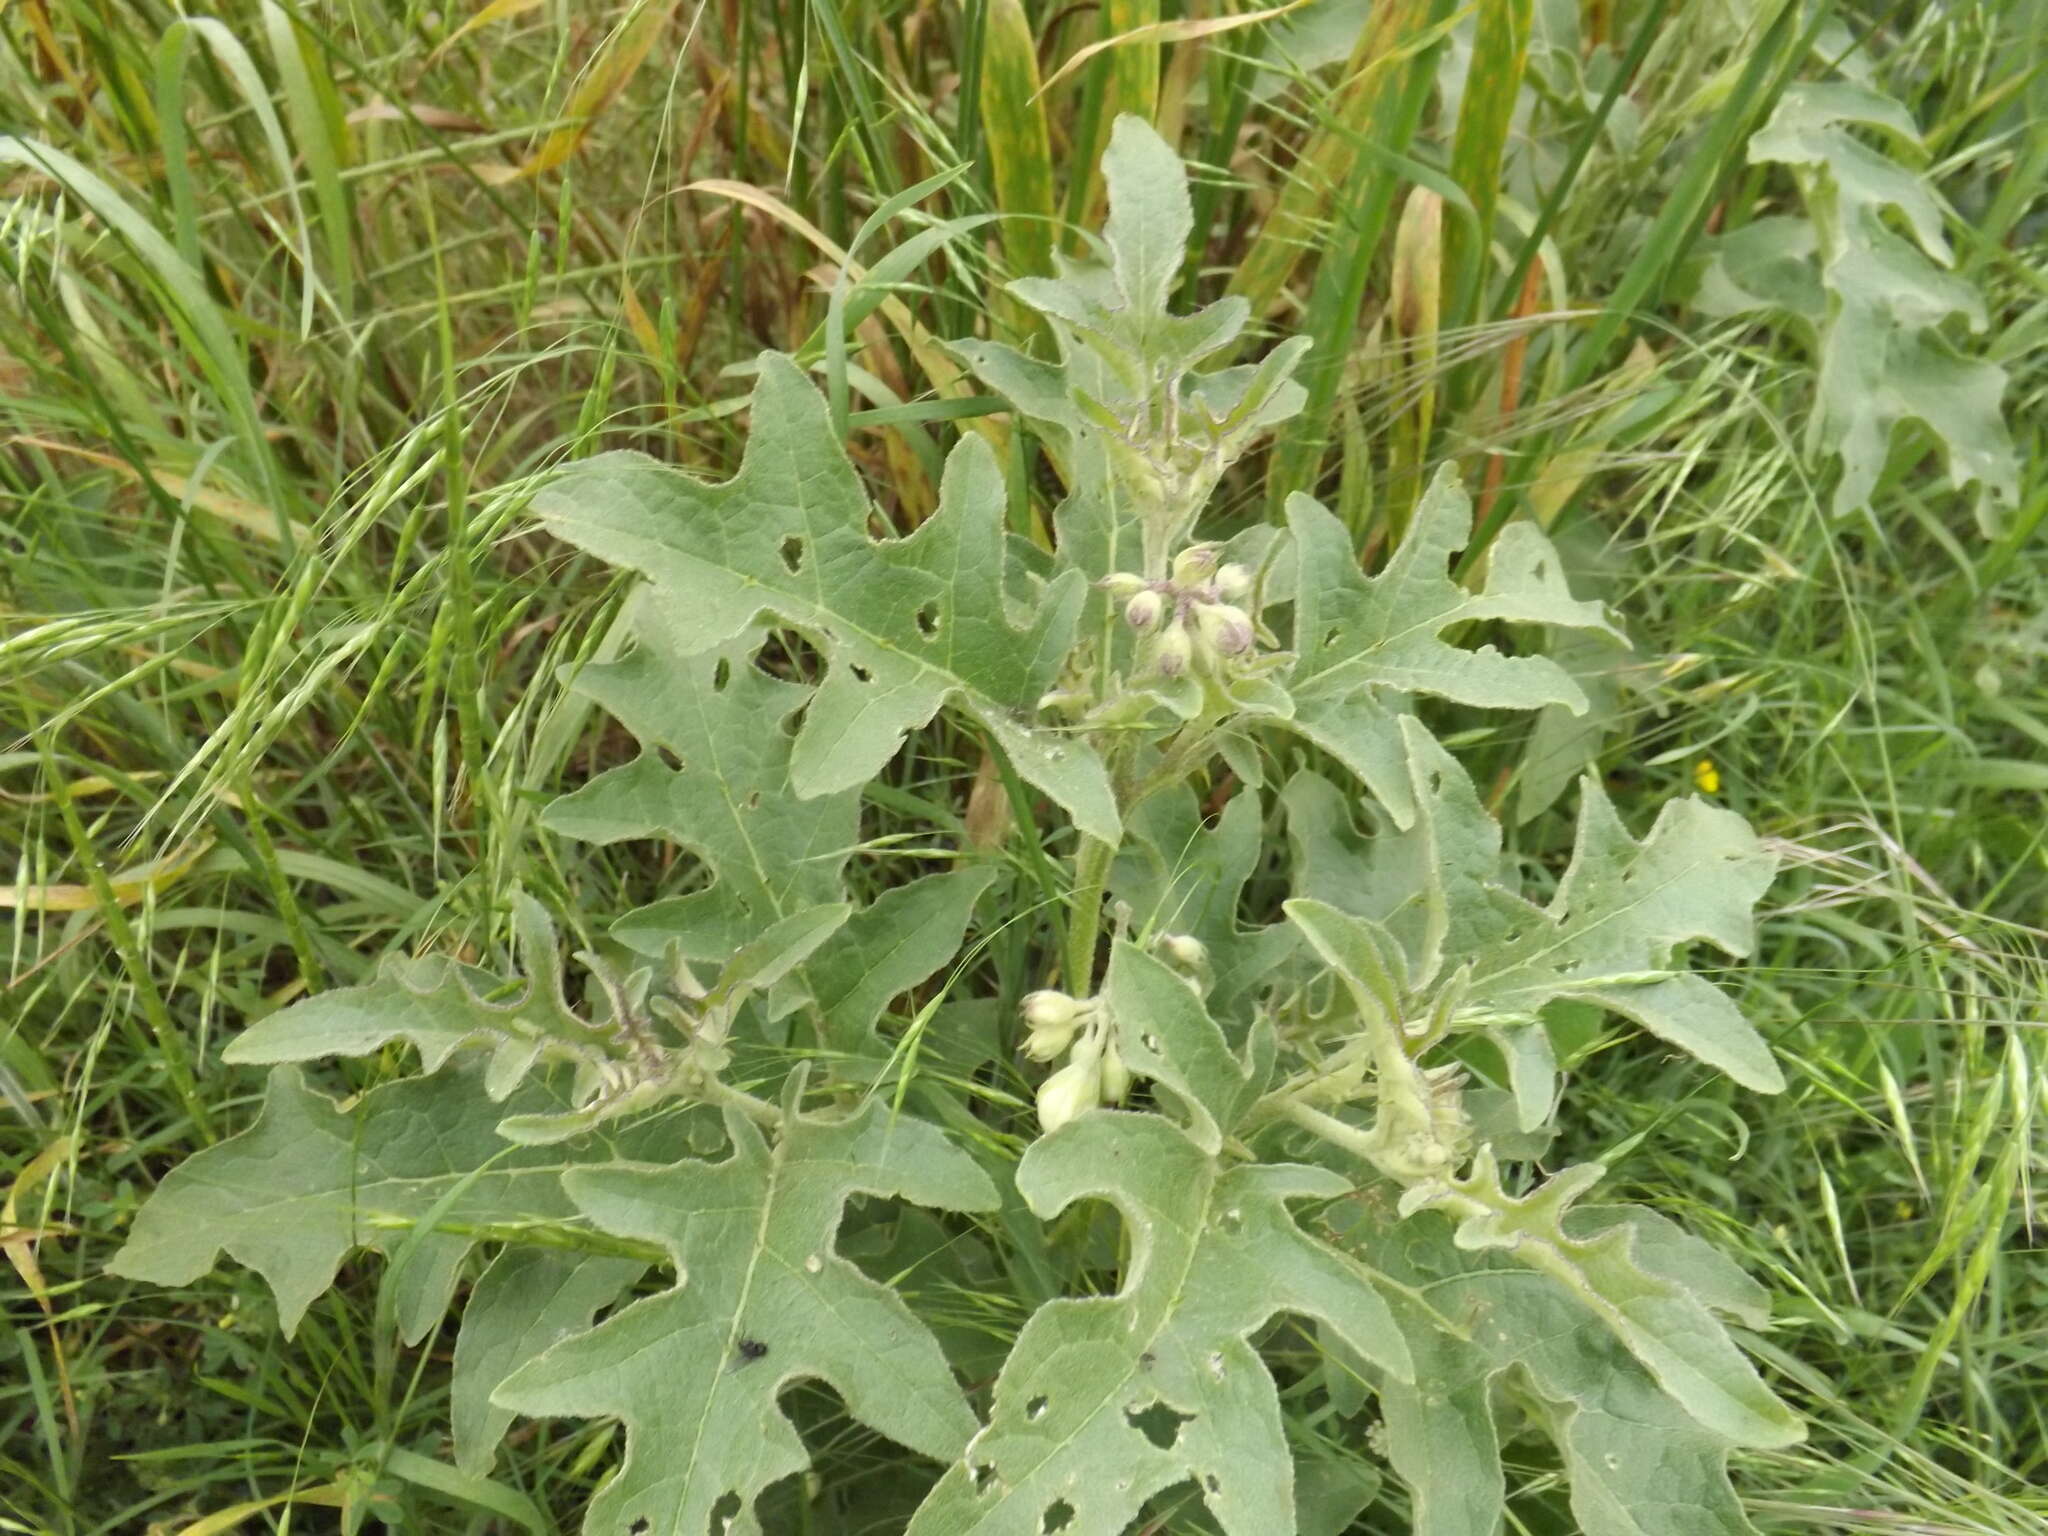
{"x":1095,"y":1072}
{"x":1191,"y":618}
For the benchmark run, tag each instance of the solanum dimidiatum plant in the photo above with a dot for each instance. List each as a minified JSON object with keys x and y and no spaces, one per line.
{"x":1334,"y":1111}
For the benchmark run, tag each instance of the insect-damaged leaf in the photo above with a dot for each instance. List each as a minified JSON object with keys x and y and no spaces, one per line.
{"x":309,"y":1182}
{"x":1107,"y":1400}
{"x":762,"y":1300}
{"x":1361,"y":642}
{"x":729,"y":799}
{"x":904,"y":624}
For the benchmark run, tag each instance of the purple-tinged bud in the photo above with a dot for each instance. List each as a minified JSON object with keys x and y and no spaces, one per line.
{"x":1144,"y":611}
{"x":1224,"y":629}
{"x":1122,"y":585}
{"x":1172,"y":652}
{"x":1191,"y":567}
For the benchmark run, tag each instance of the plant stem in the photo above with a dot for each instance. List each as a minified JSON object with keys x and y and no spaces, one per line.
{"x":1084,"y":916}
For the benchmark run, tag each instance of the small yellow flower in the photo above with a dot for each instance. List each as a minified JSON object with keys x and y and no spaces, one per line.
{"x":1706,"y":776}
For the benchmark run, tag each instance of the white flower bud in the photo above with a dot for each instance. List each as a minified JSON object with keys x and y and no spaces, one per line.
{"x":1122,"y":585}
{"x":1047,"y":1009}
{"x":1224,"y":629}
{"x":1073,"y":1090}
{"x":1232,"y":582}
{"x":1144,"y":611}
{"x":1048,"y":1044}
{"x":1116,"y":1077}
{"x":1173,"y":650}
{"x":1192,"y":565}
{"x":1184,"y":951}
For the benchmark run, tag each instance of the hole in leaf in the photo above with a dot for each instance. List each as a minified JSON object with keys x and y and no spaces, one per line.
{"x":794,"y":720}
{"x":724,"y":1513}
{"x":1059,"y":1514}
{"x":1151,"y":1043}
{"x":928,"y":621}
{"x":984,"y":1476}
{"x":1540,"y":569}
{"x":721,"y":675}
{"x":753,"y":801}
{"x":639,"y":1527}
{"x":792,"y":551}
{"x":669,"y":760}
{"x":1213,"y":1483}
{"x":1035,"y":1409}
{"x":1329,"y":639}
{"x":860,"y":672}
{"x":1157,"y":1423}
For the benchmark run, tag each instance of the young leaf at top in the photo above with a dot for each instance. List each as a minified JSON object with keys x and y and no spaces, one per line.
{"x":1107,"y":1400}
{"x":1361,"y":643}
{"x":1127,"y":401}
{"x":308,"y":1182}
{"x":904,"y":624}
{"x":761,"y":1300}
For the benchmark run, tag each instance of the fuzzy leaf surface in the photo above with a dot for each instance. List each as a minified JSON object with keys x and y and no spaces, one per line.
{"x":526,"y":1300}
{"x":1106,"y":1400}
{"x":1362,"y":643}
{"x":1180,"y":875}
{"x":438,"y":1006}
{"x":905,"y":935}
{"x":730,"y":800}
{"x":1139,"y":427}
{"x":762,"y":1300}
{"x":304,"y":1186}
{"x":1164,"y":1033}
{"x":904,"y":624}
{"x":1637,"y":1464}
{"x":1883,"y":357}
{"x":1609,"y":934}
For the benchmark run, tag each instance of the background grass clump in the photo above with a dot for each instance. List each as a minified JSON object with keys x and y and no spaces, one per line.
{"x":298,"y":300}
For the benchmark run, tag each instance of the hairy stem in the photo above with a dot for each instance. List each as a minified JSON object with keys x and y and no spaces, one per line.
{"x":1084,"y":916}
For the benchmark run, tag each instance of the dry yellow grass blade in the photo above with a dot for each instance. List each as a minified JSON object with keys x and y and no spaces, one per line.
{"x":86,"y":788}
{"x":20,"y":1241}
{"x":1019,"y":144}
{"x":326,"y":1496}
{"x":497,"y":10}
{"x":1186,"y":30}
{"x":130,"y":885}
{"x":940,"y":371}
{"x":608,"y":74}
{"x":1293,"y":227}
{"x":249,"y":516}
